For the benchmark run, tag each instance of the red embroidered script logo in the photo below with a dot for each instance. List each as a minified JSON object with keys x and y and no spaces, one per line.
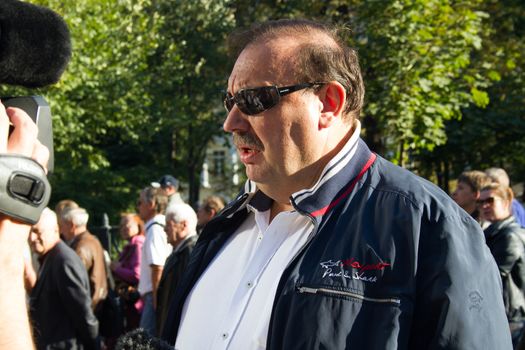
{"x":336,"y":269}
{"x":363,"y":267}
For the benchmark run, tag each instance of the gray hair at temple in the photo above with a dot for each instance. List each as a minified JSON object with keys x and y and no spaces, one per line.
{"x":182,"y":212}
{"x":317,"y":60}
{"x":77,"y":216}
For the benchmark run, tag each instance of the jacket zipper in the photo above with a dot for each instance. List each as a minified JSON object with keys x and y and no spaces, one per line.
{"x":308,"y":290}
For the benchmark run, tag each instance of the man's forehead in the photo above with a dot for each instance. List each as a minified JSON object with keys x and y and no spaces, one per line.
{"x":273,"y":58}
{"x":258,"y":64}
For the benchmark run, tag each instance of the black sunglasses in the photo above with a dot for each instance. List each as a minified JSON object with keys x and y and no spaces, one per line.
{"x":489,"y":200}
{"x":257,"y":100}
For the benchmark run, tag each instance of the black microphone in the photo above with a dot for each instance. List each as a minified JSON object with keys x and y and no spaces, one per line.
{"x":35,"y":45}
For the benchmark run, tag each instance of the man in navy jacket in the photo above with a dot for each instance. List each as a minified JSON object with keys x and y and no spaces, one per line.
{"x":329,"y":246}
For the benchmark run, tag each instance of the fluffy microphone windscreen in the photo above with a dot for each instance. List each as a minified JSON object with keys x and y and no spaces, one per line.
{"x":35,"y":46}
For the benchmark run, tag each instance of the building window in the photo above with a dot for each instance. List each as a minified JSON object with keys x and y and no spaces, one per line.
{"x":218,"y":158}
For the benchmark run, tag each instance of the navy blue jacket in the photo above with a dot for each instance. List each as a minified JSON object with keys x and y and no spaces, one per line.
{"x":393,"y":263}
{"x":61,"y":304}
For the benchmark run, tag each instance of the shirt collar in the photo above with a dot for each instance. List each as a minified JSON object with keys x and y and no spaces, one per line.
{"x":159,"y":218}
{"x":182,"y":243}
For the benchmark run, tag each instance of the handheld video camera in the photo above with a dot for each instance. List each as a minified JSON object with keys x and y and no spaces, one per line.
{"x":24,"y":188}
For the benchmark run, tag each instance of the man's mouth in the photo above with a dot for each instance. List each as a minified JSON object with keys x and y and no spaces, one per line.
{"x":248,"y":146}
{"x":247,"y":153}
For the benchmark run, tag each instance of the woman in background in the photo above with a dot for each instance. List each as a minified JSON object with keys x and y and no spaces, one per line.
{"x":127,"y":269}
{"x":505,"y":239}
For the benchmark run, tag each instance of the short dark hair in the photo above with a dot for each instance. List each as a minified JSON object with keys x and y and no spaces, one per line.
{"x":317,"y":61}
{"x":475,"y":179}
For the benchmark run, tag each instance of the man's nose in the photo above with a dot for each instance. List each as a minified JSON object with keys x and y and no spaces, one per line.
{"x":235,"y":121}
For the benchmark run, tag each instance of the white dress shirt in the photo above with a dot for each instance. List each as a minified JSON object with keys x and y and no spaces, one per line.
{"x":232,"y":310}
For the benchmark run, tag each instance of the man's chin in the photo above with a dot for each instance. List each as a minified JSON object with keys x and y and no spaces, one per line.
{"x":253,"y":173}
{"x":38,"y":250}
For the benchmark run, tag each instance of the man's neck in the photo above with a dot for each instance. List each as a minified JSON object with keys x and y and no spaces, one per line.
{"x":149,"y":217}
{"x":471,"y":208}
{"x":177,"y":244}
{"x":279,"y":208}
{"x":306,"y":177}
{"x":42,"y":257}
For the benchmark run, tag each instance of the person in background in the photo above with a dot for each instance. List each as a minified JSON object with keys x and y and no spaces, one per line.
{"x":151,"y":206}
{"x":60,"y":208}
{"x":181,"y":229}
{"x":65,"y":204}
{"x":89,"y":249}
{"x":169,"y":186}
{"x":210,"y":207}
{"x":60,"y":302}
{"x":127,"y":269}
{"x":467,"y":191}
{"x":506,"y":239}
{"x":500,"y":176}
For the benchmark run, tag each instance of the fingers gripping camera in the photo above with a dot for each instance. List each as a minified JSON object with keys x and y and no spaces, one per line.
{"x":24,"y":188}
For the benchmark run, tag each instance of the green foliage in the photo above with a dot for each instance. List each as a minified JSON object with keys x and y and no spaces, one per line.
{"x":492,"y":133}
{"x":191,"y":70}
{"x":415,"y":56}
{"x":106,"y":138}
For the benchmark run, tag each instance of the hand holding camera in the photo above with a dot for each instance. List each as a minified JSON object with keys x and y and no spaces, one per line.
{"x":13,"y":233}
{"x":23,"y":140}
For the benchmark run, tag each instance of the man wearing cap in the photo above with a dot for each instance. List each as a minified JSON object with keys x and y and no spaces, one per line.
{"x":169,"y":186}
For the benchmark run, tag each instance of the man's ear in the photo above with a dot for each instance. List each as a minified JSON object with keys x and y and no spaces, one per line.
{"x":333,"y":97}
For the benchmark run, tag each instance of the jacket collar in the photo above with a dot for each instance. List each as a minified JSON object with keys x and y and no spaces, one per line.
{"x":497,"y":226}
{"x":191,"y":238}
{"x":336,"y":182}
